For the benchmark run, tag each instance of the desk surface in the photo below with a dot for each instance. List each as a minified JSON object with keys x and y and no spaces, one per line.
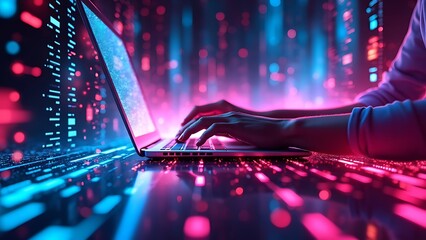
{"x":320,"y":196}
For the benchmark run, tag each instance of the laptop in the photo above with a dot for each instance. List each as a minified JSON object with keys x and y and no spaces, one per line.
{"x":135,"y":111}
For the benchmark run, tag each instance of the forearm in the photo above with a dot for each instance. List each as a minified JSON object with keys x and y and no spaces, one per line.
{"x":304,"y":113}
{"x":327,"y":134}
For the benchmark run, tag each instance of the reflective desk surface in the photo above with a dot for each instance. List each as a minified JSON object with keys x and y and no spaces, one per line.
{"x":116,"y":195}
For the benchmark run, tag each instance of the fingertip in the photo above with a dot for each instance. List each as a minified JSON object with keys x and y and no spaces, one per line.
{"x":185,"y":121}
{"x":199,"y":142}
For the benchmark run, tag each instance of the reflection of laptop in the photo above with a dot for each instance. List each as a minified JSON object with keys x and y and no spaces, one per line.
{"x":133,"y":108}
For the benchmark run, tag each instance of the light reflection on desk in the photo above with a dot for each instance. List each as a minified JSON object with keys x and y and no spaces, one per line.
{"x":318,"y":197}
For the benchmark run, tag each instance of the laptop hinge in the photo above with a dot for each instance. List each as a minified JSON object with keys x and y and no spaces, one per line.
{"x":142,"y":149}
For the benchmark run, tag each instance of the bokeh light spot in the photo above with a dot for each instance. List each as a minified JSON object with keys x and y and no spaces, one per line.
{"x":203,"y":53}
{"x":161,"y":10}
{"x":146,"y":36}
{"x":291,"y":33}
{"x":17,"y":156}
{"x":17,"y":68}
{"x":38,"y":2}
{"x":243,"y":53}
{"x":197,"y":227}
{"x":19,"y":137}
{"x":5,"y":175}
{"x":275,"y":3}
{"x":12,"y":47}
{"x":274,"y":67}
{"x":262,"y":8}
{"x":7,"y":8}
{"x":14,"y":96}
{"x":36,"y":72}
{"x":280,"y":218}
{"x":324,"y":194}
{"x":220,"y":16}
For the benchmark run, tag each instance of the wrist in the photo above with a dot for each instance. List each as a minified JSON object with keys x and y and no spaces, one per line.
{"x":293,"y":131}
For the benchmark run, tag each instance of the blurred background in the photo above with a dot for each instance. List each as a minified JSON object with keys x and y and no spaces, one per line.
{"x":259,"y":54}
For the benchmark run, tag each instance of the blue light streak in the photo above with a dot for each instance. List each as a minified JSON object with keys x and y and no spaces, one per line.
{"x":135,"y":206}
{"x":107,"y":204}
{"x":187,"y":17}
{"x":54,"y":232}
{"x":68,"y":192}
{"x":20,"y":216}
{"x":77,"y":174}
{"x":275,"y":3}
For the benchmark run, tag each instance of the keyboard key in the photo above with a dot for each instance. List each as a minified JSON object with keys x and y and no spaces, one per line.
{"x":178,"y":146}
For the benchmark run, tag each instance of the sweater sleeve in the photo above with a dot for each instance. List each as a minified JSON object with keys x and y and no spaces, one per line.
{"x":406,"y":78}
{"x":395,"y":131}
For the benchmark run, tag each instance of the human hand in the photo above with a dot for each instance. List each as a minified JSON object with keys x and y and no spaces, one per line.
{"x":257,"y":131}
{"x":215,"y":108}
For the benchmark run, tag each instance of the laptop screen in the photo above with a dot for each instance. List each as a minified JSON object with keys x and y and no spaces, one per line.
{"x":122,"y":74}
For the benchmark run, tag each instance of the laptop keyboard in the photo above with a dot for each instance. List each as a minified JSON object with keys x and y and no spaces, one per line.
{"x":190,"y":144}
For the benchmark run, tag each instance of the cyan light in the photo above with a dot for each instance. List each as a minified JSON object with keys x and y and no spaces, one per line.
{"x":374,"y":24}
{"x":187,"y":17}
{"x":373,"y":77}
{"x":134,"y":206}
{"x":372,"y":69}
{"x":20,"y":216}
{"x":12,"y":47}
{"x":7,"y":8}
{"x":68,"y":192}
{"x":107,"y":204}
{"x":274,"y":67}
{"x":55,"y":232}
{"x":77,"y":173}
{"x":275,"y":3}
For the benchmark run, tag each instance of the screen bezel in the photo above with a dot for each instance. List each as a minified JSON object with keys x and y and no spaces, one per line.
{"x":139,"y":142}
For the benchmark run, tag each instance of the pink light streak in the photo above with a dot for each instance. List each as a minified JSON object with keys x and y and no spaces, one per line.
{"x":262,"y":177}
{"x":417,"y":192}
{"x":12,"y":116}
{"x":31,"y":20}
{"x":197,"y":227}
{"x":276,"y":168}
{"x":291,"y":198}
{"x":375,"y":170}
{"x":411,"y":213}
{"x":409,"y":180}
{"x":200,"y":181}
{"x":322,"y":228}
{"x":89,"y":113}
{"x":402,"y":195}
{"x":346,"y":162}
{"x":358,"y":177}
{"x":421,"y":175}
{"x":344,"y":187}
{"x":298,"y":172}
{"x":324,"y":174}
